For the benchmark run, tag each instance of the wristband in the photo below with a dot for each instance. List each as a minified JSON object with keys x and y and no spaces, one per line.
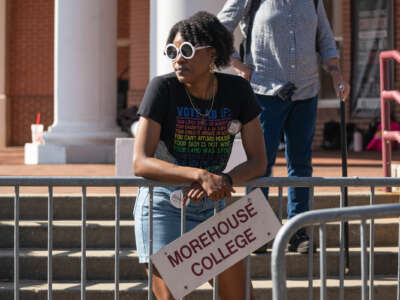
{"x":228,"y":177}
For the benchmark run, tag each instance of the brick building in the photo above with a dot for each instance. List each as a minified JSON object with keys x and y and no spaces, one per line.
{"x":27,"y":61}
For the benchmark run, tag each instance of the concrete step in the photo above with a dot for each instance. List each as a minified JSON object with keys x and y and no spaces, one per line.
{"x":100,"y":234}
{"x":67,"y":264}
{"x":100,"y":264}
{"x":102,"y":207}
{"x":66,"y":207}
{"x":67,"y":234}
{"x":384,"y":288}
{"x":385,"y":263}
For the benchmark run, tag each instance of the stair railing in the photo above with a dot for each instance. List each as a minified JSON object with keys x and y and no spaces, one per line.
{"x":386,"y":96}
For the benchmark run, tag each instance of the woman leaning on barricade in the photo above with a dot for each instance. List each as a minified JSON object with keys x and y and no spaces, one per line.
{"x":188,"y":122}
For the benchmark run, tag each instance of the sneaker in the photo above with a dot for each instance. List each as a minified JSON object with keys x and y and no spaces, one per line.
{"x":299,"y":242}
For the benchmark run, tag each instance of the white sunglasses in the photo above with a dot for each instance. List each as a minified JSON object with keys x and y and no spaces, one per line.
{"x":186,"y":49}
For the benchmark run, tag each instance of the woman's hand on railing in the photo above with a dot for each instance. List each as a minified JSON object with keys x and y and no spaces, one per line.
{"x":216,"y":186}
{"x":195,"y":193}
{"x":212,"y":185}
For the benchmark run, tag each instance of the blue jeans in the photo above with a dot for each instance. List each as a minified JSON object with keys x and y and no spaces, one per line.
{"x":166,"y":218}
{"x":296,"y":120}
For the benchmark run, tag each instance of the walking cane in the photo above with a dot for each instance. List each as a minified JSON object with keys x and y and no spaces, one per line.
{"x":343,"y":144}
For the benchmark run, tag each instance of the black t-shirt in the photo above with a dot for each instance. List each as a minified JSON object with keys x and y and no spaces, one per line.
{"x":188,"y":138}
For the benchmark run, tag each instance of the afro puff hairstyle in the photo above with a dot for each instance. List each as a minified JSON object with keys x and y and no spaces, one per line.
{"x":203,"y":29}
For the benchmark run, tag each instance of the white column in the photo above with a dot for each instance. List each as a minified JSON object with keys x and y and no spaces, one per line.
{"x":85,"y":92}
{"x":3,"y":104}
{"x":163,"y":15}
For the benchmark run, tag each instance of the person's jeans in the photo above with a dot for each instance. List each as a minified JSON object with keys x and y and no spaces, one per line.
{"x":296,"y":120}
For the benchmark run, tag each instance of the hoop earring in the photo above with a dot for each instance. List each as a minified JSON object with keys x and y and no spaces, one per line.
{"x":212,"y":67}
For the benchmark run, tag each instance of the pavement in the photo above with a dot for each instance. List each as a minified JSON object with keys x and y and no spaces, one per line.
{"x":325,"y":164}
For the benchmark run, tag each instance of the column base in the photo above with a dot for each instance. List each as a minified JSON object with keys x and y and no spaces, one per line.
{"x":64,"y":154}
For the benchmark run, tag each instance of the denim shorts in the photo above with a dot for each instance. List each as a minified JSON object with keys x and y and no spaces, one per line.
{"x":166,"y":218}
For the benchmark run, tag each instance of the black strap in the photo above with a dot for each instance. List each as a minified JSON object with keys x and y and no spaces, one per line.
{"x":316,"y":6}
{"x":228,"y":177}
{"x":246,"y":42}
{"x":252,"y":12}
{"x":316,"y":36}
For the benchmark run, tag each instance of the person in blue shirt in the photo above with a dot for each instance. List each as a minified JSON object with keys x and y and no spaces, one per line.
{"x":289,"y":40}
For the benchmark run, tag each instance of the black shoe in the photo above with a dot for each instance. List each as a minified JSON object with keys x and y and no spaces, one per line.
{"x":299,"y":242}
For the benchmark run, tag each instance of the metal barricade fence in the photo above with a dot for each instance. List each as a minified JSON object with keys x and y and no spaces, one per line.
{"x":118,"y":182}
{"x":321,"y":218}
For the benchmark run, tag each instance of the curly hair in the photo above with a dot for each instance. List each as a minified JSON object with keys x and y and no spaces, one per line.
{"x":203,"y":29}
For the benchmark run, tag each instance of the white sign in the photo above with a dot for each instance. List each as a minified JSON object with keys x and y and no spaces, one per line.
{"x":216,"y":244}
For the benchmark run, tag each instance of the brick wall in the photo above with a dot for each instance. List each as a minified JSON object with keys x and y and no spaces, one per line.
{"x":333,"y":114}
{"x":30,"y":36}
{"x":325,"y":115}
{"x":139,"y":50}
{"x":123,"y":34}
{"x":29,"y":65}
{"x":30,"y":47}
{"x":397,"y":46}
{"x":397,"y":39}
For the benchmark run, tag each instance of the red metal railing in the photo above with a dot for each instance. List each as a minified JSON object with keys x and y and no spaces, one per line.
{"x":387,"y":134}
